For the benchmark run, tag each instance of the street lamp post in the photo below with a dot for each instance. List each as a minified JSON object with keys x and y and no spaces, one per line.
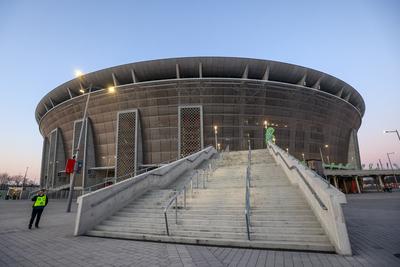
{"x":380,"y":162}
{"x":391,"y":167}
{"x":111,"y":89}
{"x":265,"y":132}
{"x":215,"y":136}
{"x":327,"y":156}
{"x":322,"y":156}
{"x":76,"y":151}
{"x":393,"y":131}
{"x":23,"y":182}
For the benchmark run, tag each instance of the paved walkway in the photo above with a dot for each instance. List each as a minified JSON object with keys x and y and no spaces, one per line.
{"x":373,"y":222}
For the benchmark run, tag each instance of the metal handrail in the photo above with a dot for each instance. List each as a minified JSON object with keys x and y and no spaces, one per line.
{"x":205,"y":173}
{"x":135,"y":173}
{"x":247,"y":195}
{"x":278,"y":153}
{"x":150,"y":173}
{"x":124,"y":177}
{"x":305,"y":166}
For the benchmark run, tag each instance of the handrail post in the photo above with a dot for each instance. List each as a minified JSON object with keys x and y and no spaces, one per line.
{"x":178,"y":193}
{"x":176,"y":209}
{"x":247,"y":194}
{"x":247,"y":226}
{"x":166,"y":221}
{"x":191,"y":187}
{"x":184,"y":196}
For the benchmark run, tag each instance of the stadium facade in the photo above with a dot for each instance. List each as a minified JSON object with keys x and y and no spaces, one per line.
{"x":164,"y":109}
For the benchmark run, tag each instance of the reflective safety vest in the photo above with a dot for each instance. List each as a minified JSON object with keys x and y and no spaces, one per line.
{"x":40,"y":201}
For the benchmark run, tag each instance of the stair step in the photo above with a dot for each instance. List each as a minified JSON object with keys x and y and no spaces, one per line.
{"x":215,"y":212}
{"x":280,"y":215}
{"x":255,"y":222}
{"x":288,"y":245}
{"x":219,"y":217}
{"x":230,"y":209}
{"x":216,"y":228}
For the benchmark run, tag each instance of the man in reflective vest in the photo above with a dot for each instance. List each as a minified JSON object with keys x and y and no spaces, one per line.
{"x":39,"y":202}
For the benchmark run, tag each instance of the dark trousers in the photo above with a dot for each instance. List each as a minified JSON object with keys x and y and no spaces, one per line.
{"x":36,"y":212}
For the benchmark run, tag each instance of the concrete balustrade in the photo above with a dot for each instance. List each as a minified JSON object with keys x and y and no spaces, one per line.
{"x":325,"y":200}
{"x":97,"y":206}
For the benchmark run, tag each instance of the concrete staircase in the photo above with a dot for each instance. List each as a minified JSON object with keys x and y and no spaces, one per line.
{"x":142,"y":217}
{"x":280,"y":216}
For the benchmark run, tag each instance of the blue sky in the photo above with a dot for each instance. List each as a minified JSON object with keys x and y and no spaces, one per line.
{"x":42,"y":42}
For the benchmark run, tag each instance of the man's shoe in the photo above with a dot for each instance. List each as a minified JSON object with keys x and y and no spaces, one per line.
{"x":37,"y":226}
{"x":30,"y":226}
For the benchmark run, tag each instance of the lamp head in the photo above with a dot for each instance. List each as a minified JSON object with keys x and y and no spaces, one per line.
{"x":111,"y":89}
{"x":78,"y":73}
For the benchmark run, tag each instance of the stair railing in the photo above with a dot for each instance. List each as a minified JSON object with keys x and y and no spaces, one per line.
{"x":204,"y":174}
{"x":247,"y":195}
{"x":113,"y":180}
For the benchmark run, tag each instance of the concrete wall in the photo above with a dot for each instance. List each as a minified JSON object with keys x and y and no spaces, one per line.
{"x":325,"y":200}
{"x":97,"y":206}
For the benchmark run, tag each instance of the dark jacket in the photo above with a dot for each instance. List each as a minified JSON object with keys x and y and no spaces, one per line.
{"x":34,"y":199}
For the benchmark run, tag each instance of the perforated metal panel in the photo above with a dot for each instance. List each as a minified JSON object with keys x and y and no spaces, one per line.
{"x":190,"y":136}
{"x":127,"y":128}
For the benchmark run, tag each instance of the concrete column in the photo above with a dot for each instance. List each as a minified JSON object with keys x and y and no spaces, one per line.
{"x":378,"y":187}
{"x":134,"y":80}
{"x":335,"y":182}
{"x":345,"y":186}
{"x":178,"y":74}
{"x":381,"y":182}
{"x":69,"y":92}
{"x":266,"y":74}
{"x":358,"y":186}
{"x":200,"y":70}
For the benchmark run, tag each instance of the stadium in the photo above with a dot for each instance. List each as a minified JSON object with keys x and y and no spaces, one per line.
{"x":144,"y":114}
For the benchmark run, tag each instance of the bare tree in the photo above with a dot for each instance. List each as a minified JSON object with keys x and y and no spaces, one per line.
{"x":17,"y":179}
{"x":4,"y":178}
